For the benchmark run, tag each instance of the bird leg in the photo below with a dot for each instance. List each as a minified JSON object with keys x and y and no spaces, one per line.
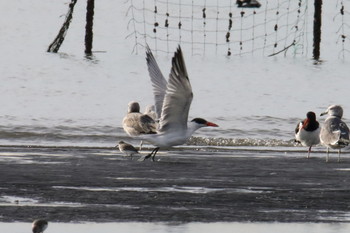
{"x":339,"y":155}
{"x":141,"y":143}
{"x":327,"y":158}
{"x":308,"y":153}
{"x":154,"y":152}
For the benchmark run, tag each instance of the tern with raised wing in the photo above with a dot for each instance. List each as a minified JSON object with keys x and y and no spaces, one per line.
{"x":172,"y":103}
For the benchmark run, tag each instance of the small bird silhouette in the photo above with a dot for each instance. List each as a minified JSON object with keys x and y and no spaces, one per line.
{"x":39,"y":226}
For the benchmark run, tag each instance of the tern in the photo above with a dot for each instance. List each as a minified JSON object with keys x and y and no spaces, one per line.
{"x":307,"y":132}
{"x":39,"y":226}
{"x":172,"y":104}
{"x":334,"y":133}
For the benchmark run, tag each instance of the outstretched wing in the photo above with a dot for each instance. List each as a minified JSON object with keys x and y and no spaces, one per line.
{"x":159,"y":83}
{"x":178,"y":97}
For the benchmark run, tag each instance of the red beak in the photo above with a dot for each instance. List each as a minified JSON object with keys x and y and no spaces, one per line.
{"x":212,"y":124}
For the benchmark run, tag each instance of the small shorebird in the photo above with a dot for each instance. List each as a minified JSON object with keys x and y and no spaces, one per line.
{"x":307,"y":132}
{"x":334,"y":133}
{"x":39,"y":226}
{"x":135,"y":123}
{"x":172,"y":102}
{"x":127,"y":149}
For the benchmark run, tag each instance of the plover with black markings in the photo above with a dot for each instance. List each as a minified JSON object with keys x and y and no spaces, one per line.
{"x":307,"y":132}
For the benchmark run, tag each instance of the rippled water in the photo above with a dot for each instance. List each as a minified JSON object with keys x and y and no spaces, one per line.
{"x":57,"y":108}
{"x":65,"y":99}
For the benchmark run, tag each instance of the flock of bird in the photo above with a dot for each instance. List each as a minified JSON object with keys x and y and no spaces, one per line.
{"x":165,"y":124}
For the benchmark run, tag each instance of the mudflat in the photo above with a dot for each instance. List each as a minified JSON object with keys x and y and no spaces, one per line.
{"x":64,"y":184}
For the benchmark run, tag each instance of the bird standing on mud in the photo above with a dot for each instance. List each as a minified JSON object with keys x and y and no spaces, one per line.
{"x":307,"y":132}
{"x":127,"y":149}
{"x":334,"y":133}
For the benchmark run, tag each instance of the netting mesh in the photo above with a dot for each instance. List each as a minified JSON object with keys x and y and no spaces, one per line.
{"x":341,"y":20}
{"x":221,"y":27}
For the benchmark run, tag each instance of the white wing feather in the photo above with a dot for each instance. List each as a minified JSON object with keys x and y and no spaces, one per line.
{"x":178,"y":97}
{"x":158,"y":81}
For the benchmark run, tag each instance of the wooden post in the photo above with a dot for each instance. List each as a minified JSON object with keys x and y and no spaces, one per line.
{"x":56,"y":44}
{"x":317,"y":28}
{"x":88,"y":28}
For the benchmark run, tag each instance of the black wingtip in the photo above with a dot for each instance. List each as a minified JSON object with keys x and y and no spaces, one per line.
{"x":179,"y":49}
{"x":149,"y":54}
{"x":148,"y":50}
{"x":178,"y":61}
{"x":178,"y":52}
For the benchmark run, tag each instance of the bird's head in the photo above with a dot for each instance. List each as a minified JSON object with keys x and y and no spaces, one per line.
{"x":133,"y":106}
{"x":203,"y":123}
{"x":119,"y":143}
{"x":334,"y":110}
{"x":311,"y":116}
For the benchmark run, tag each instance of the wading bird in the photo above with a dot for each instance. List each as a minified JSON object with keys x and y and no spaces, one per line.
{"x":127,"y":149}
{"x":307,"y":132}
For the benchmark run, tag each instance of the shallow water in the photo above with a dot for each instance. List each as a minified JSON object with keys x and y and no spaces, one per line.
{"x":65,"y":99}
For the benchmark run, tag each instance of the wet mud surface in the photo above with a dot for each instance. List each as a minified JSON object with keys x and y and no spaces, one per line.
{"x":92,"y":184}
